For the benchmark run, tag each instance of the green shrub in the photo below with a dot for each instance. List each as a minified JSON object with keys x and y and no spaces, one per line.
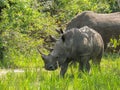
{"x":24,"y":24}
{"x":114,"y":45}
{"x":23,"y":28}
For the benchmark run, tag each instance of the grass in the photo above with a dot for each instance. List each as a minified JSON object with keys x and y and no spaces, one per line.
{"x":36,"y":78}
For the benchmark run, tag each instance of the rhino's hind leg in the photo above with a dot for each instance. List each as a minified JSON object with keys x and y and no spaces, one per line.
{"x":84,"y":64}
{"x":96,"y":63}
{"x":96,"y":60}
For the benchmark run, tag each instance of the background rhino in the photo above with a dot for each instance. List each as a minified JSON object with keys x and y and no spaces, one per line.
{"x":79,"y":45}
{"x":108,"y":25}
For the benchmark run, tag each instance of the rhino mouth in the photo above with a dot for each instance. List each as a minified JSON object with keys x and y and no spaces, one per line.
{"x":51,"y":68}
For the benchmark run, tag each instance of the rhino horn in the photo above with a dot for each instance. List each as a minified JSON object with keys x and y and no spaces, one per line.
{"x":42,"y":55}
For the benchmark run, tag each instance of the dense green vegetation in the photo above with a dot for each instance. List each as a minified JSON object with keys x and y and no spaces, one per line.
{"x":24,"y":24}
{"x":40,"y":79}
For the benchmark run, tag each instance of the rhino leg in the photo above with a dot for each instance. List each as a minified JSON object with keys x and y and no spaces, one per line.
{"x":84,"y":64}
{"x":96,"y":60}
{"x":64,"y":67}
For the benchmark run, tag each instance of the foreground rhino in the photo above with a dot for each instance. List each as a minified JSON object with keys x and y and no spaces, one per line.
{"x":79,"y":45}
{"x":108,"y":25}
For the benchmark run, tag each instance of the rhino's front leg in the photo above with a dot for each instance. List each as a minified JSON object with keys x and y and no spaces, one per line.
{"x":64,"y":67}
{"x":84,"y":64}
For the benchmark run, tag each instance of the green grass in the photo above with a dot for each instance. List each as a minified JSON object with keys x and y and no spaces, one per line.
{"x":36,"y":78}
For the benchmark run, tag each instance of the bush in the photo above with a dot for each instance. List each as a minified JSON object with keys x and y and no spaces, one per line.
{"x":114,"y":45}
{"x":24,"y":24}
{"x":64,"y":10}
{"x":23,"y":27}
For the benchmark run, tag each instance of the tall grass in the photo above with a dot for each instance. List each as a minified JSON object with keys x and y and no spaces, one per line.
{"x":39,"y":79}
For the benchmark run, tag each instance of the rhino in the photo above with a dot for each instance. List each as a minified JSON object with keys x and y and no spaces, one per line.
{"x":75,"y":45}
{"x":107,"y":25}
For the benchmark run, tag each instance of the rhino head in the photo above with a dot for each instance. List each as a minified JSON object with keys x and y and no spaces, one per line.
{"x":58,"y":55}
{"x":51,"y":62}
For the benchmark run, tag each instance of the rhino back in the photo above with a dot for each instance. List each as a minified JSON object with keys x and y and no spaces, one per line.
{"x":108,"y":25}
{"x":94,"y":20}
{"x":84,"y":41}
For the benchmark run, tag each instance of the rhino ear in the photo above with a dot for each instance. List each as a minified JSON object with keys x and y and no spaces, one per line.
{"x":60,"y":31}
{"x":63,"y":38}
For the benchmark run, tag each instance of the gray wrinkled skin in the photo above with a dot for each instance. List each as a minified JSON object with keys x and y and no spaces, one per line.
{"x":107,"y":25}
{"x":79,"y":45}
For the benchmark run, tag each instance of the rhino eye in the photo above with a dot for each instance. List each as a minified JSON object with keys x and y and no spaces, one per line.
{"x":57,"y":57}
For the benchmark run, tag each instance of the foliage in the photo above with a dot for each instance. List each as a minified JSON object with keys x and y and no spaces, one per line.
{"x":114,"y":45}
{"x":24,"y":24}
{"x":39,"y":79}
{"x":23,"y":27}
{"x":115,"y":42}
{"x":64,"y":10}
{"x":114,"y":5}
